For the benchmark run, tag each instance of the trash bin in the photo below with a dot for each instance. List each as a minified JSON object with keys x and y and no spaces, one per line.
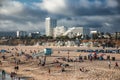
{"x":113,"y":58}
{"x":85,"y":57}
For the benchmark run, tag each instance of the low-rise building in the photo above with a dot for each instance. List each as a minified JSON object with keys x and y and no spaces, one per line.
{"x":76,"y":31}
{"x":21,"y":33}
{"x":35,"y":34}
{"x":59,"y":31}
{"x":8,"y":34}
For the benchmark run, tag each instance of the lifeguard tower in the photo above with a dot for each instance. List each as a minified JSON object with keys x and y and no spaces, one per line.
{"x":43,"y":54}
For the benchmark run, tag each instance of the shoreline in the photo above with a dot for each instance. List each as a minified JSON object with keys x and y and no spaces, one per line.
{"x":17,"y":75}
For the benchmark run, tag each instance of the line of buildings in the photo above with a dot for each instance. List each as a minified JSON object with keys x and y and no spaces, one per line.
{"x":8,"y":34}
{"x":52,"y":29}
{"x":18,"y":34}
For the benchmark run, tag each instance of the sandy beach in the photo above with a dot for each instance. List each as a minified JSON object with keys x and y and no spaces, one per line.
{"x":28,"y":67}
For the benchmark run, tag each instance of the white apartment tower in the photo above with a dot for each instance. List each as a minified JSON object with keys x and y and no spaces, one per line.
{"x":50,"y":24}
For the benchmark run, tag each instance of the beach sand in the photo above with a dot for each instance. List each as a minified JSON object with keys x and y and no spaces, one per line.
{"x":94,"y":70}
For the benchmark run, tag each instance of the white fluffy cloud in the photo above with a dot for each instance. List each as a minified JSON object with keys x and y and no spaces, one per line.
{"x":29,"y":26}
{"x":53,"y":6}
{"x":19,"y":15}
{"x":112,"y":3}
{"x":71,"y":7}
{"x":11,"y":7}
{"x":15,"y":15}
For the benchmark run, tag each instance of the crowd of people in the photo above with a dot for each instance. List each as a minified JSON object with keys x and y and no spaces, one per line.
{"x":42,"y":61}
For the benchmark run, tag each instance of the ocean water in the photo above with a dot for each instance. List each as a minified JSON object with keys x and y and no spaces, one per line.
{"x":7,"y":77}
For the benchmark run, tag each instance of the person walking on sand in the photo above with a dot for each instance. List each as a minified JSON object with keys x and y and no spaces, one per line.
{"x":18,"y":78}
{"x":39,"y":62}
{"x":91,"y":58}
{"x":3,"y":74}
{"x":49,"y":71}
{"x":116,"y":65}
{"x":16,"y":68}
{"x":109,"y":64}
{"x":0,"y":62}
{"x":12,"y":75}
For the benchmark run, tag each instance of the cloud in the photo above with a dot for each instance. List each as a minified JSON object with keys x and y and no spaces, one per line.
{"x":11,"y":7}
{"x":102,"y":23}
{"x":52,"y":6}
{"x":78,"y":7}
{"x":27,"y":26}
{"x":15,"y":15}
{"x":21,"y":15}
{"x":112,"y":3}
{"x":3,"y":2}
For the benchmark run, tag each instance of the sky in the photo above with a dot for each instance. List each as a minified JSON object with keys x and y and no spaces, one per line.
{"x":29,"y":15}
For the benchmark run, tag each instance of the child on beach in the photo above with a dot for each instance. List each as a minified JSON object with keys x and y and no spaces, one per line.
{"x":3,"y":57}
{"x":3,"y":74}
{"x":12,"y":75}
{"x":109,"y":64}
{"x":1,"y":63}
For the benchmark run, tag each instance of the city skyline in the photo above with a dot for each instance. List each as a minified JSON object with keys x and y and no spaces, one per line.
{"x":29,"y":15}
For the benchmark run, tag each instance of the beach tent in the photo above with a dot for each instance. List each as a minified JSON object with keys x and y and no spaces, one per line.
{"x":3,"y":51}
{"x":90,"y":50}
{"x":20,"y":53}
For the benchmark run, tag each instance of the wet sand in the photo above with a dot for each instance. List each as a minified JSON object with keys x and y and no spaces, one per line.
{"x":95,"y":70}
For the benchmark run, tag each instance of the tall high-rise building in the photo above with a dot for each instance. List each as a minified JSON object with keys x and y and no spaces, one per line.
{"x":50,"y":24}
